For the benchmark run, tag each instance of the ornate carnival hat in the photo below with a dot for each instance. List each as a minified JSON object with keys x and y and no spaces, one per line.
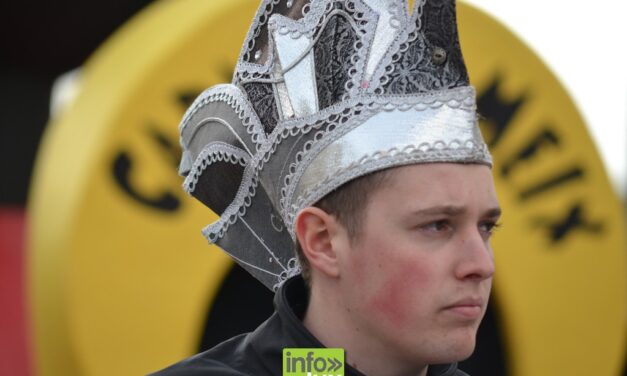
{"x":324,"y":91}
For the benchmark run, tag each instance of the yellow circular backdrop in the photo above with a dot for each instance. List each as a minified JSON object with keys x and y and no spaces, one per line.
{"x":121,"y":278}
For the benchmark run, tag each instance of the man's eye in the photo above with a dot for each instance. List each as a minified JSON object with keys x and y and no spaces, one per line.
{"x":487,"y":228}
{"x":437,"y":226}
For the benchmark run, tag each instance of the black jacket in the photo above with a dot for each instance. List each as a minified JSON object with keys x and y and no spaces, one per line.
{"x":259,"y":353}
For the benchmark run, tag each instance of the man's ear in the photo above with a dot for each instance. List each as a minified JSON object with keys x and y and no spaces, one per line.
{"x":315,"y":230}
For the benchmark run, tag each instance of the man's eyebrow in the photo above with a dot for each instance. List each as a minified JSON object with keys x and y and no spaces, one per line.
{"x":454,"y":211}
{"x":492,"y":213}
{"x":441,"y":209}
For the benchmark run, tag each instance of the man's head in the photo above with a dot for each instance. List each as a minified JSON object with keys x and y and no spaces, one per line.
{"x":414,"y":276}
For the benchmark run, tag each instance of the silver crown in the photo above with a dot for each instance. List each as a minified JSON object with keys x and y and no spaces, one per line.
{"x":324,"y":91}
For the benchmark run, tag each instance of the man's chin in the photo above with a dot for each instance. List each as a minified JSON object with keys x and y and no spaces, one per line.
{"x":462,"y":350}
{"x":456,"y":349}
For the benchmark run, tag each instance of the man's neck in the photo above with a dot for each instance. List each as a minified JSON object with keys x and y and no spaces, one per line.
{"x":334,"y":326}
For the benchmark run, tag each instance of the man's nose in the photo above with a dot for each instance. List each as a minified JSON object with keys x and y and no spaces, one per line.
{"x":476,"y":260}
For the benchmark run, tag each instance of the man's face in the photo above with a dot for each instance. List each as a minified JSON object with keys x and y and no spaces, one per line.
{"x":417,"y":278}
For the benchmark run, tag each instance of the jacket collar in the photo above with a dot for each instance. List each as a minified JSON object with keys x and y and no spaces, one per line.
{"x":290,"y":303}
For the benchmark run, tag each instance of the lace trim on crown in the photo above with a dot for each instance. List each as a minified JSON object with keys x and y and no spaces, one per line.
{"x":336,"y":114}
{"x":293,"y":269}
{"x":439,"y":151}
{"x":360,"y":16}
{"x":315,"y":17}
{"x":409,"y":29}
{"x":366,"y":19}
{"x":314,"y":14}
{"x":237,"y":208}
{"x":461,"y":98}
{"x":246,"y":70}
{"x":232,"y":96}
{"x":414,"y":69}
{"x":250,"y":179}
{"x":358,"y":62}
{"x":245,"y":193}
{"x":260,"y":19}
{"x":296,"y":168}
{"x":407,"y":36}
{"x":217,"y":151}
{"x":292,"y":127}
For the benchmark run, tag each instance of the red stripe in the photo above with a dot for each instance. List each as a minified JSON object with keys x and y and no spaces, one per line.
{"x":14,"y":343}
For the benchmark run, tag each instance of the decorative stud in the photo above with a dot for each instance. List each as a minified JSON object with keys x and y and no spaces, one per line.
{"x":290,"y":3}
{"x":257,"y":54}
{"x":439,"y":55}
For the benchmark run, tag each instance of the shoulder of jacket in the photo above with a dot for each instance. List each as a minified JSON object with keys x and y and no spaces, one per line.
{"x":197,"y":367}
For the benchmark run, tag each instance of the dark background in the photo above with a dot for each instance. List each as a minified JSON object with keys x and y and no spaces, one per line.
{"x":38,"y":42}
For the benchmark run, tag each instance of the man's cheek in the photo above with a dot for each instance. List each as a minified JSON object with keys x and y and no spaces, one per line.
{"x":398,"y":300}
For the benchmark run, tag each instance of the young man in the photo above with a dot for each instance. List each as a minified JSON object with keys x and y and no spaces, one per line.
{"x":409,"y":286}
{"x":350,"y":129}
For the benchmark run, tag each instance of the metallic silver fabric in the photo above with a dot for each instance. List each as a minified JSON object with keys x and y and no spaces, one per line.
{"x":385,"y":32}
{"x":296,"y":56}
{"x":283,"y":99}
{"x":395,"y":130}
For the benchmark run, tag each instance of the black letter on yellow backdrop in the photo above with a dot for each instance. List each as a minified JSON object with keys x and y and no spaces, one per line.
{"x":497,"y":111}
{"x":574,"y":220}
{"x":553,"y":182}
{"x":545,"y":138}
{"x":123,"y":164}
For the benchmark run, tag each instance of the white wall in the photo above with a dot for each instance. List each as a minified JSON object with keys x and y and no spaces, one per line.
{"x":585,"y":44}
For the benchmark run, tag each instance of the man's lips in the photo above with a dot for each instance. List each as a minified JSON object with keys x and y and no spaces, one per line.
{"x":468,"y":308}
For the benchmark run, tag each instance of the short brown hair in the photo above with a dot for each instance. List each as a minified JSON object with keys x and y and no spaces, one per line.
{"x":346,"y":204}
